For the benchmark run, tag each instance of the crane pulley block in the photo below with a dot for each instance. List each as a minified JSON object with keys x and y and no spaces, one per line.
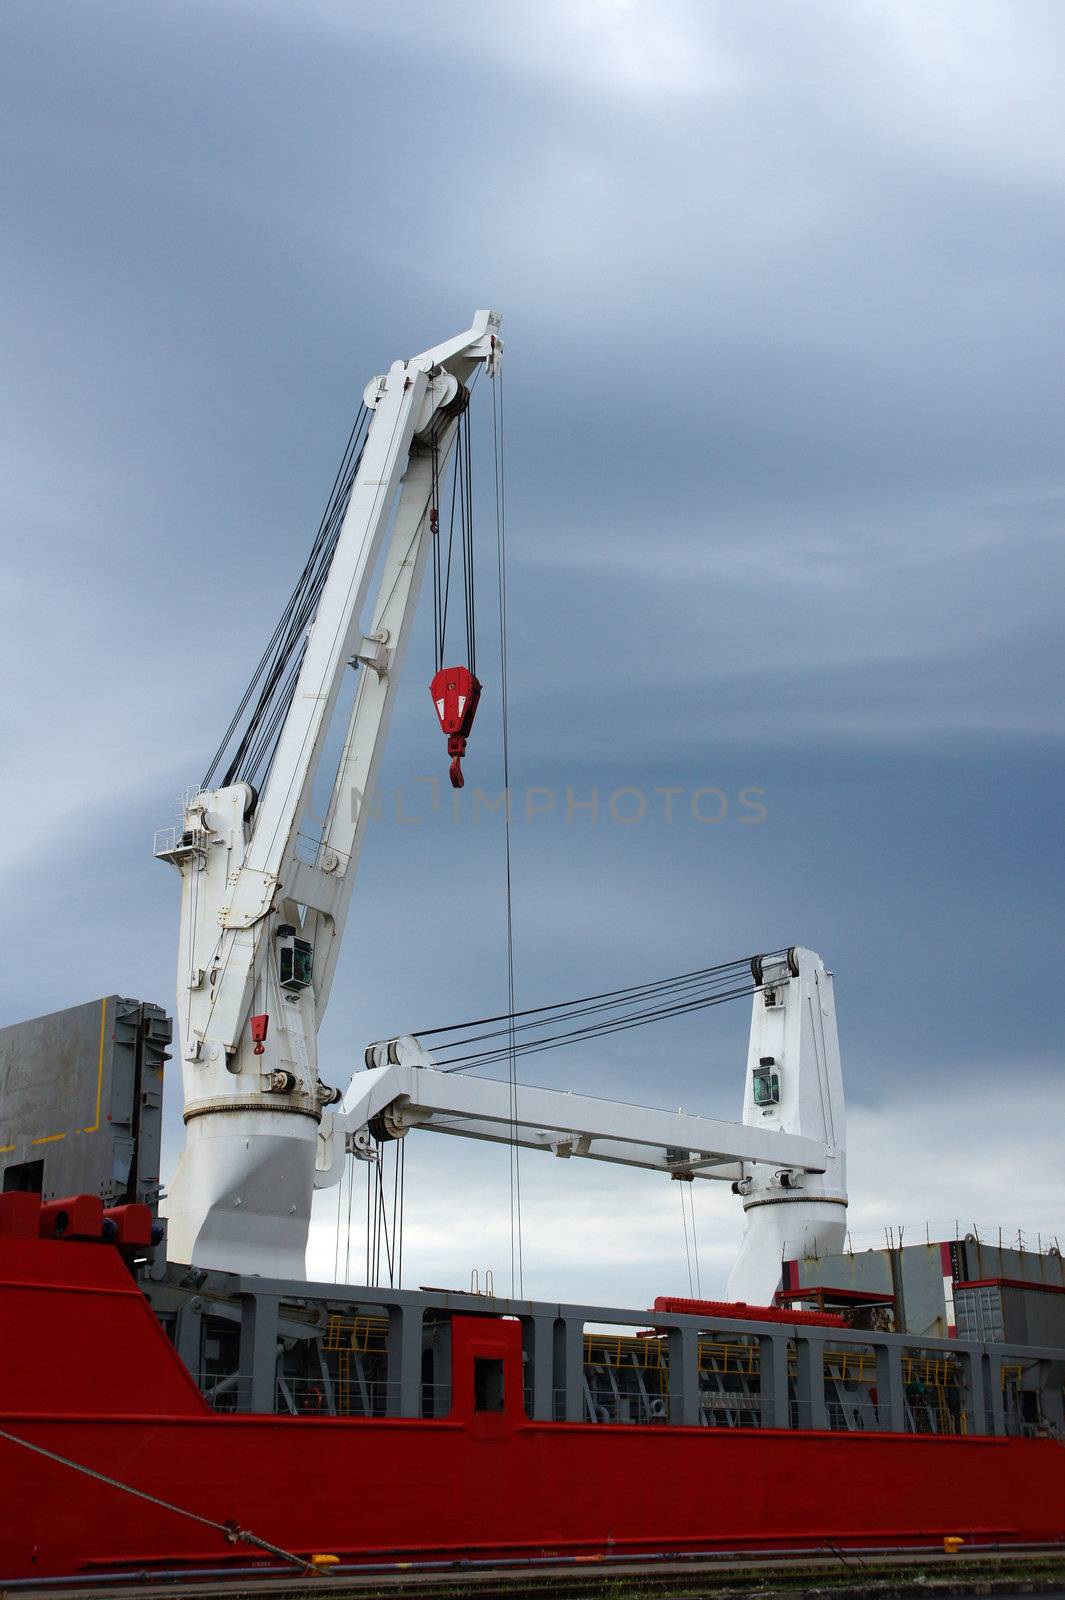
{"x":456,"y":693}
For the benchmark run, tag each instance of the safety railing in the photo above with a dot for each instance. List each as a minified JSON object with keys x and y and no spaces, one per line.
{"x":374,"y":1397}
{"x":315,"y":852}
{"x":365,"y":1335}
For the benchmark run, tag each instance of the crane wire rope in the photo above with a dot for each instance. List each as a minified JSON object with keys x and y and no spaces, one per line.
{"x":402,"y":1159}
{"x":351,"y":1187}
{"x":300,"y":764}
{"x":281,"y":662}
{"x":384,"y":1236}
{"x":517,"y":1277}
{"x":369,"y":1220}
{"x":604,"y":994}
{"x":461,"y":497}
{"x":691,"y":1249}
{"x":385,"y":1218}
{"x":272,"y":676}
{"x":598,"y":1030}
{"x":382,"y":604}
{"x":282,"y":706}
{"x":683,"y":991}
{"x":687,"y":1246}
{"x":466,"y":523}
{"x":346,"y":479}
{"x":336,"y":1247}
{"x":610,"y":1011}
{"x":695,"y":1239}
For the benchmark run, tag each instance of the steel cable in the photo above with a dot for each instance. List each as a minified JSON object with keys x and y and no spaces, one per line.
{"x":289,"y":632}
{"x":603,"y":994}
{"x":231,"y":1531}
{"x":674,"y":990}
{"x":597,"y":1030}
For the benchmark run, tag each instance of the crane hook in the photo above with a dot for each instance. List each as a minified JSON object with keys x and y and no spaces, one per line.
{"x":455,"y":693}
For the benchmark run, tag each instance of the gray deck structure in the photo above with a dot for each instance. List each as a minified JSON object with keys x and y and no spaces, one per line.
{"x":81,"y":1096}
{"x":262,"y":1345}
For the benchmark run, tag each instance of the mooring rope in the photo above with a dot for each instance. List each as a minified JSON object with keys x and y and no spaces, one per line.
{"x":231,"y":1531}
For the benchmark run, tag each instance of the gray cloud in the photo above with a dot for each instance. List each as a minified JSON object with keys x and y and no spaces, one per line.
{"x":783,"y":397}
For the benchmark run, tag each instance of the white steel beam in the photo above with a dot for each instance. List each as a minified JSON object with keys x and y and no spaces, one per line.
{"x":407,"y":1097}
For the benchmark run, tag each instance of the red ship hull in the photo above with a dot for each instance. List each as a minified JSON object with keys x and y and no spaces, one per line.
{"x":88,"y":1375}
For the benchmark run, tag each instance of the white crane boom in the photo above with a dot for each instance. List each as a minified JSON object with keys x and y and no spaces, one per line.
{"x":680,"y":1143}
{"x":262,"y":914}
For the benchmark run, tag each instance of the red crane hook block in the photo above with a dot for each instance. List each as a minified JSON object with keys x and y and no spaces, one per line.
{"x":455,"y":693}
{"x":259,"y":1026}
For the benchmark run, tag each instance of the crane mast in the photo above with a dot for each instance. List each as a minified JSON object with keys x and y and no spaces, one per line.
{"x":793,"y":1086}
{"x":263,"y":906}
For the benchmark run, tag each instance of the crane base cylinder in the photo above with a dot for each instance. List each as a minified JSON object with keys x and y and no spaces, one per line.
{"x":783,"y":1229}
{"x":240,"y":1199}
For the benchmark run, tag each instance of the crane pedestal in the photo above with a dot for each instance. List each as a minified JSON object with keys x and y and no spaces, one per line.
{"x":784,"y":1229}
{"x":241,"y":1194}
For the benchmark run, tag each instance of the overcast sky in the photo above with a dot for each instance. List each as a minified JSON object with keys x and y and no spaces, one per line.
{"x":781,"y":288}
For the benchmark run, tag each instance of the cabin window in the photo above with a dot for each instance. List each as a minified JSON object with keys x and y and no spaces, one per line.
{"x":766,"y":1088}
{"x":487,"y":1384}
{"x":295,"y":964}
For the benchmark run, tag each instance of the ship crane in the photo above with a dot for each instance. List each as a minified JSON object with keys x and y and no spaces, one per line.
{"x":264,"y":905}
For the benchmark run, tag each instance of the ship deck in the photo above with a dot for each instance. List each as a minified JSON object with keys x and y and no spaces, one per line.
{"x":850,"y":1575}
